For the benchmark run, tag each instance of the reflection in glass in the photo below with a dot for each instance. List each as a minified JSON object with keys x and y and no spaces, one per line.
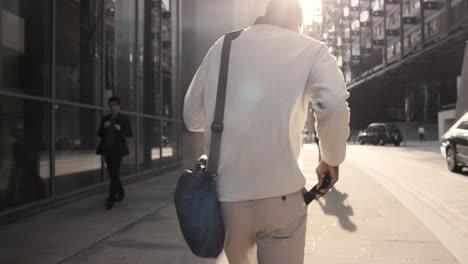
{"x":128,"y":166}
{"x":149,"y":151}
{"x":169,"y":142}
{"x":169,"y":95}
{"x":76,"y":162}
{"x":150,"y":92}
{"x":79,"y":51}
{"x":24,"y":151}
{"x":25,"y":46}
{"x":120,"y":52}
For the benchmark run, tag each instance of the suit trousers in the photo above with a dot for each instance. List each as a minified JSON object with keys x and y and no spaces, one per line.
{"x":113,"y":162}
{"x":266,"y":231}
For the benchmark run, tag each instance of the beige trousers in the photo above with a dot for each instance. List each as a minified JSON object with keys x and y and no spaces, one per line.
{"x":265,"y":231}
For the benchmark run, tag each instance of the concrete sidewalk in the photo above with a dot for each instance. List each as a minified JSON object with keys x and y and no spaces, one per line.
{"x":358,"y":222}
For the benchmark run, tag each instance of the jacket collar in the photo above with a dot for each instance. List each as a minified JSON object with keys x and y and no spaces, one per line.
{"x":263,"y":20}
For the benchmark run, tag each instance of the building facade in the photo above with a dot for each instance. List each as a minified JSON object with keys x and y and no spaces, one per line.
{"x":401,"y":58}
{"x":60,"y":60}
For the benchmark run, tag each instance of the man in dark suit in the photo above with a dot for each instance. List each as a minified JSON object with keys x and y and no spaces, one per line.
{"x":114,"y":129}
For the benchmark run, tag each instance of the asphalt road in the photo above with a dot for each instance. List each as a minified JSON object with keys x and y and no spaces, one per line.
{"x":418,"y":177}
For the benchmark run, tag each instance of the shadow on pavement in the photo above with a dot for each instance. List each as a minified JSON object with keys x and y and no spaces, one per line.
{"x":336,"y":204}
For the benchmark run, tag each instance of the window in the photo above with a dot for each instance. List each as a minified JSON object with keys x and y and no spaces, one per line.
{"x":436,"y":25}
{"x":149,"y":148}
{"x":356,"y":49}
{"x":463,"y":125}
{"x":128,"y":166}
{"x":25,"y":46}
{"x":406,"y":8}
{"x":120,"y":53}
{"x":390,"y":51}
{"x":407,"y":42}
{"x":378,"y":31}
{"x":150,"y":37}
{"x":169,"y":95}
{"x":76,"y":163}
{"x":415,"y":37}
{"x":347,"y":32}
{"x":169,"y":142}
{"x":78,"y":51}
{"x":24,"y":151}
{"x":355,"y":25}
{"x":397,"y":48}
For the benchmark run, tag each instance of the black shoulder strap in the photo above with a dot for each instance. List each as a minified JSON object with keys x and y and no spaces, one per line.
{"x":217,"y":125}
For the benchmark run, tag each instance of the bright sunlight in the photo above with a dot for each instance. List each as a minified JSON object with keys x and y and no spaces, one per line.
{"x":312,"y":10}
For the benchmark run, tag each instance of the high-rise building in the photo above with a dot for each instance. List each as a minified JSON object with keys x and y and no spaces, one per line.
{"x":401,"y":58}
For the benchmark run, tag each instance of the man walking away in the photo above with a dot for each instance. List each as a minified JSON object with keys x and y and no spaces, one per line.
{"x":274,"y":72}
{"x":421,"y":132}
{"x":114,"y":129}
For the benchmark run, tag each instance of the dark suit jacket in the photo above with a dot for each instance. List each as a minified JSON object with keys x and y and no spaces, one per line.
{"x":119,"y":142}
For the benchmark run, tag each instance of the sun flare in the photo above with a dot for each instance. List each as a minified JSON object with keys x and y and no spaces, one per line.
{"x":312,"y":10}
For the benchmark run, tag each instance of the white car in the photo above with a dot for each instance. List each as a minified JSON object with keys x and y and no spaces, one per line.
{"x":454,"y":145}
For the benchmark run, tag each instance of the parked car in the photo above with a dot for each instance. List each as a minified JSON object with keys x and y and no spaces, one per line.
{"x":381,"y":134}
{"x":454,"y":145}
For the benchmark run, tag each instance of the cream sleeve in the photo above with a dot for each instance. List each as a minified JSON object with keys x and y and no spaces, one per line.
{"x":326,"y":89}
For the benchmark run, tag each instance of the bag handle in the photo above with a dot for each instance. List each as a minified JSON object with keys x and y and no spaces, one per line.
{"x":217,"y":125}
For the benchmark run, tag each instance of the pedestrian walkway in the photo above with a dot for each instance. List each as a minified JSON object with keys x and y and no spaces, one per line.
{"x":357,"y":222}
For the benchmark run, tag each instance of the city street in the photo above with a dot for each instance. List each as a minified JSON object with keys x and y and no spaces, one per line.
{"x":418,"y":178}
{"x":392,"y":205}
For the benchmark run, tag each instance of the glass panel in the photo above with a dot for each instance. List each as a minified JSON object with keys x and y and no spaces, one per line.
{"x":140,"y":50}
{"x":149,"y":152}
{"x":169,"y":142}
{"x":169,"y":92}
{"x":390,"y":51}
{"x":364,"y":17}
{"x":76,"y":162}
{"x":166,"y":5}
{"x":150,"y":91}
{"x":415,"y":37}
{"x":356,"y":49}
{"x":376,"y":5}
{"x":355,"y":24}
{"x":415,"y":4}
{"x":120,"y":52}
{"x":128,"y":166}
{"x":24,"y":151}
{"x":407,"y":42}
{"x":397,"y":48}
{"x":463,"y":125}
{"x":79,"y":51}
{"x":346,"y":11}
{"x":25,"y":46}
{"x":407,"y":8}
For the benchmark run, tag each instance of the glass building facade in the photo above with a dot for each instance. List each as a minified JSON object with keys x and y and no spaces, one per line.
{"x":60,"y":60}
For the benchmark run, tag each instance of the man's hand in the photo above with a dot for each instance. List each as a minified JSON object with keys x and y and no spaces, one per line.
{"x":117,"y":127}
{"x":324,"y":169}
{"x":107,"y":124}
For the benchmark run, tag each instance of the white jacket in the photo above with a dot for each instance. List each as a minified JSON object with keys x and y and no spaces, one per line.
{"x":273,"y":74}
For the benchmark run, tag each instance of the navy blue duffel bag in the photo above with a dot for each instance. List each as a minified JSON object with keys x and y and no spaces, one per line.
{"x":198,"y":210}
{"x":196,"y":197}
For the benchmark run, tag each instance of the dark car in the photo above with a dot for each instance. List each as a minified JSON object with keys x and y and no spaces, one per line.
{"x":454,"y":145}
{"x":381,"y":134}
